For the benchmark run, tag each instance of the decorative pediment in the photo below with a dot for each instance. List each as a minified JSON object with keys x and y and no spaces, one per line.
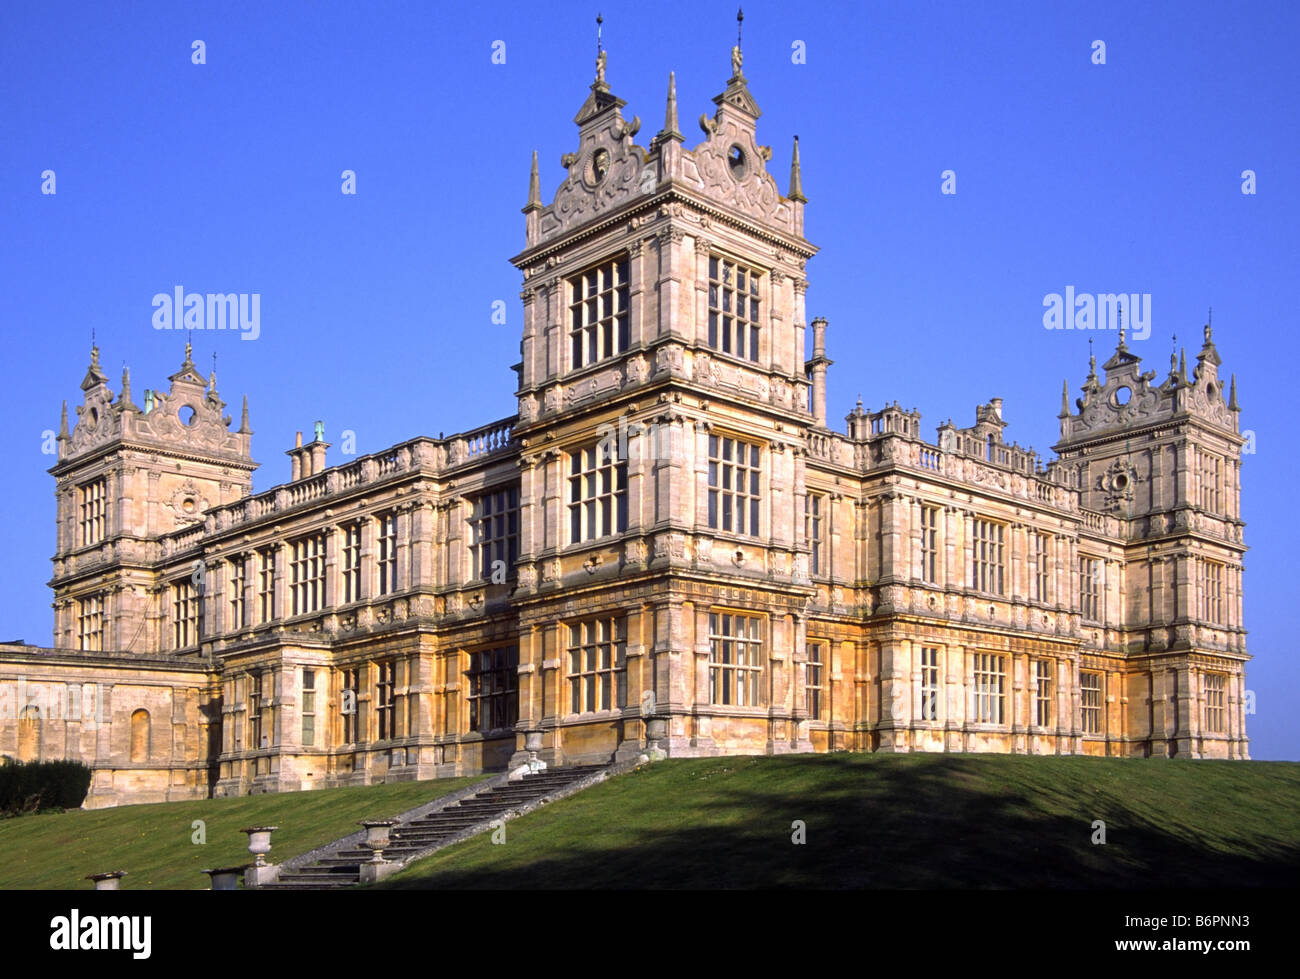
{"x":98,"y":421}
{"x":730,"y":168}
{"x":605,"y":172}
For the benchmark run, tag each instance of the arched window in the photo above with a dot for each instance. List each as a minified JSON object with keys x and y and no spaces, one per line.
{"x":140,"y":736}
{"x":29,"y":734}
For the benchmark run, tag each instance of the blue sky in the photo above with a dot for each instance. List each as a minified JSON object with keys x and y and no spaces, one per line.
{"x":376,"y":308}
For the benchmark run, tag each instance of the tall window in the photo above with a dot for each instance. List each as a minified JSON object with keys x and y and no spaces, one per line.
{"x":1215,"y":715}
{"x":1041,"y":568}
{"x":255,"y":700}
{"x":187,"y":613}
{"x":1211,"y":476}
{"x":266,"y":584}
{"x":308,"y":707}
{"x":929,"y":683}
{"x":1090,"y":701}
{"x":990,"y":688}
{"x":735,"y":660}
{"x":733,"y":308}
{"x":238,"y":581}
{"x":350,"y":706}
{"x":597,"y":665}
{"x":814,"y":679}
{"x":930,"y":544}
{"x":386,"y":699}
{"x":351,"y":536}
{"x":987,"y":571}
{"x":813,"y":505}
{"x":733,"y":485}
{"x":598,"y":316}
{"x":90,"y":623}
{"x":1212,"y":592}
{"x":387,"y":527}
{"x":307,"y":574}
{"x":496,"y":532}
{"x":92,"y":511}
{"x":493,"y":689}
{"x":1090,"y":588}
{"x":597,"y":494}
{"x":1043,"y":697}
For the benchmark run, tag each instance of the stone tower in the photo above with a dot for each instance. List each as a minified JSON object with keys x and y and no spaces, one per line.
{"x":1164,"y":459}
{"x":126,"y":476}
{"x":663,"y":345}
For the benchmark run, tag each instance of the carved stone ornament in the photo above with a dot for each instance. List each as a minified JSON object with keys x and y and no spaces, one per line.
{"x":1116,"y":485}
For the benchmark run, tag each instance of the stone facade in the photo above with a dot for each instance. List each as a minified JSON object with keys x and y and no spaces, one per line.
{"x":667,"y":547}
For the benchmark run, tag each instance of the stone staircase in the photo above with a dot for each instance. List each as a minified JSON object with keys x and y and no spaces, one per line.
{"x":339,"y":865}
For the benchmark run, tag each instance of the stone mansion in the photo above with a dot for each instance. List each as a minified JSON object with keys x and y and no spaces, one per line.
{"x":667,"y":548}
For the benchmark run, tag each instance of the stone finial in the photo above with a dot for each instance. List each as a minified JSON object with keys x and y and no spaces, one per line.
{"x":534,"y":188}
{"x":243,"y":420}
{"x":670,"y":130}
{"x":737,"y":58}
{"x":95,"y":376}
{"x":1065,"y":399}
{"x":796,"y":176}
{"x":124,"y":399}
{"x":63,"y":422}
{"x":1232,"y":396}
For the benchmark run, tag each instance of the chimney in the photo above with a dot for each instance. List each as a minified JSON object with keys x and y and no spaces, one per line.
{"x":299,"y":463}
{"x":816,"y":369}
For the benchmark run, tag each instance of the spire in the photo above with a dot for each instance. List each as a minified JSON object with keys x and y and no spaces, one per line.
{"x":63,"y":421}
{"x":1065,"y":399}
{"x":1232,"y":396}
{"x":124,"y":399}
{"x":1182,"y":366}
{"x":796,"y":176}
{"x":1092,"y":362}
{"x":534,"y":189}
{"x":670,"y":130}
{"x":243,"y":420}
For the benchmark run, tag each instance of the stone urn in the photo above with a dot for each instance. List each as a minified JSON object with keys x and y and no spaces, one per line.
{"x":225,"y":878}
{"x":110,"y":881}
{"x":259,"y":842}
{"x":378,"y":835}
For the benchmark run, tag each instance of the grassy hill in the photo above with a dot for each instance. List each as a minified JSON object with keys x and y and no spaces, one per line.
{"x":885,"y":821}
{"x":900,"y":821}
{"x":154,"y":843}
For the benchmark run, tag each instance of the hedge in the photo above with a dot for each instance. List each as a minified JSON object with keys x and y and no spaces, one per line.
{"x":31,"y":786}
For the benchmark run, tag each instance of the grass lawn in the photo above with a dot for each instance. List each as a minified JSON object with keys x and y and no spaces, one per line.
{"x":155,"y":845}
{"x":900,"y":821}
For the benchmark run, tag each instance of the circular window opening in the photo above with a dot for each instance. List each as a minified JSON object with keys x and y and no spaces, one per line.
{"x":1121,"y":481}
{"x":1209,"y":390}
{"x":187,"y":415}
{"x":599,"y":165}
{"x":1122,"y":396}
{"x":188,"y":506}
{"x":736,"y":161}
